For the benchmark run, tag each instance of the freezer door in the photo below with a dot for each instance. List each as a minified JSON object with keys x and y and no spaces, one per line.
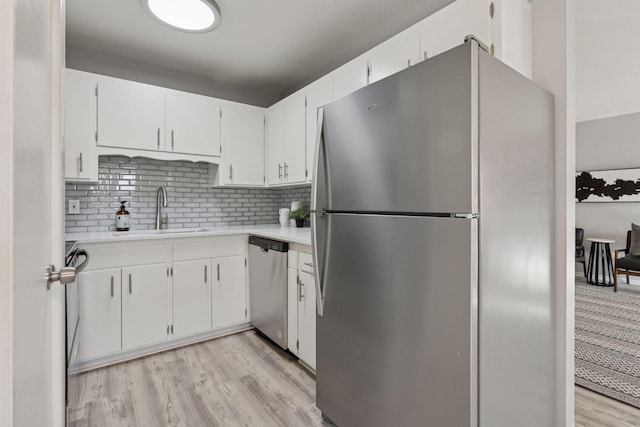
{"x":407,"y":143}
{"x":396,"y":345}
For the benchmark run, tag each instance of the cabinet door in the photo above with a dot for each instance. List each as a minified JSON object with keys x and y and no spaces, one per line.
{"x":294,"y":159}
{"x":292,"y":310}
{"x":100,"y":297}
{"x":242,"y":130}
{"x":193,"y":124}
{"x":130,"y":115}
{"x":351,"y":76}
{"x":395,"y":54}
{"x":191,"y":297}
{"x":145,"y":305}
{"x":307,"y":319}
{"x":229,"y":291}
{"x":318,"y":93}
{"x":448,"y":27}
{"x":80,"y":150}
{"x":274,"y":143}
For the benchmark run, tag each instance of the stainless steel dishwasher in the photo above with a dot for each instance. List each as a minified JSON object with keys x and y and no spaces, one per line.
{"x":268,"y":287}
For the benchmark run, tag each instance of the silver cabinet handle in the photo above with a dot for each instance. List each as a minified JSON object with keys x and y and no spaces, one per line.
{"x":408,"y":63}
{"x":80,"y":166}
{"x":318,"y":206}
{"x":286,"y":170}
{"x":171,"y":139}
{"x":308,"y":264}
{"x":300,"y":294}
{"x":205,"y":274}
{"x":230,"y":172}
{"x":158,"y":138}
{"x":111,"y":286}
{"x":130,"y":285}
{"x":279,"y":171}
{"x":218,"y":272}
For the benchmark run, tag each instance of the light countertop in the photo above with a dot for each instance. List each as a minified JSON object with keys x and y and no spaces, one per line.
{"x":271,"y":231}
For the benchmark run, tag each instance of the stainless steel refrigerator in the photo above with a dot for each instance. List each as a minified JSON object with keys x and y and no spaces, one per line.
{"x":432,"y":232}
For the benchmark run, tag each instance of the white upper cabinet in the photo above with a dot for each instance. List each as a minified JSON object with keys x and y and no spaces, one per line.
{"x":351,"y":76}
{"x":242,"y":136}
{"x":395,"y":54}
{"x":81,"y":152}
{"x":274,"y":143}
{"x":318,"y":93}
{"x":193,"y":124}
{"x":137,"y":116}
{"x":286,"y":140}
{"x":295,"y":138}
{"x":130,"y":115}
{"x":448,"y":27}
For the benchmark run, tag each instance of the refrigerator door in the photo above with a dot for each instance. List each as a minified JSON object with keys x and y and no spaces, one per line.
{"x":396,"y":344}
{"x":405,"y":144}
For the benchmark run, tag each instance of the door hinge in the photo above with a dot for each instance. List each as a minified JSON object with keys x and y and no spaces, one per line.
{"x":96,"y":136}
{"x":264,"y":178}
{"x":96,"y":90}
{"x":492,"y":10}
{"x":306,"y":173}
{"x":305,"y":100}
{"x":297,"y":344}
{"x":245,"y":313}
{"x":245,"y":262}
{"x":220,"y":113}
{"x":368,"y":73}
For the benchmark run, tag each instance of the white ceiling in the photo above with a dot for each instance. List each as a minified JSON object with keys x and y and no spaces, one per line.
{"x":262,"y":51}
{"x":607,"y":58}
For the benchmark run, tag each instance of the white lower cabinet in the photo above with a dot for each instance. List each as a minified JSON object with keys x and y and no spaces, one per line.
{"x":183,"y":288}
{"x":307,"y":319}
{"x":145,"y":300}
{"x":100,"y":298}
{"x":191,"y":297}
{"x":302,"y":308}
{"x":228,"y":294}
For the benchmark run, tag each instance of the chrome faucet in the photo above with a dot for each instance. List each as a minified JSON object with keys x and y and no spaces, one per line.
{"x":161,"y":194}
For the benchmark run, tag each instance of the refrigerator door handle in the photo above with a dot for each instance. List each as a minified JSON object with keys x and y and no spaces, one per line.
{"x":319,"y":190}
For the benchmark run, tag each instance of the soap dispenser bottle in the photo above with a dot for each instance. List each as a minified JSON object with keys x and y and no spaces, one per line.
{"x":122,"y":218}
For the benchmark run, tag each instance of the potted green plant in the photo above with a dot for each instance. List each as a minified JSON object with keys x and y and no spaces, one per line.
{"x":299,"y":215}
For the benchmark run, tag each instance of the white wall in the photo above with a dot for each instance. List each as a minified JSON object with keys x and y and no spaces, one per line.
{"x":609,"y":143}
{"x":553,"y":63}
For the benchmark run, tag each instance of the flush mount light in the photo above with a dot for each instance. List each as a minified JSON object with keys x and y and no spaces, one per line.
{"x":190,"y":16}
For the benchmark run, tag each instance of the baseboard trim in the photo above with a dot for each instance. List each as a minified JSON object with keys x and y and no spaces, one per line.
{"x":123,"y":356}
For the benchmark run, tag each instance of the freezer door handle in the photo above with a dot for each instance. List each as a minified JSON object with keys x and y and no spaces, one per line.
{"x":319,"y":203}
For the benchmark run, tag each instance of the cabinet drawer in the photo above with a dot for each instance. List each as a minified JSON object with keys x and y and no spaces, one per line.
{"x":207,"y":247}
{"x":121,"y":254}
{"x":305,"y":263}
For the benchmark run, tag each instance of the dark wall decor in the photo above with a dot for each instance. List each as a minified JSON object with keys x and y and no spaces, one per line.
{"x":617,"y":185}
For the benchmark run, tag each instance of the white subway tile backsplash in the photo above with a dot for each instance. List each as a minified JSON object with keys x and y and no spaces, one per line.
{"x":190,"y":202}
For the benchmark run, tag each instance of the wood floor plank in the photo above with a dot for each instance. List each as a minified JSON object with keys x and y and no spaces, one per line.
{"x":595,"y":410}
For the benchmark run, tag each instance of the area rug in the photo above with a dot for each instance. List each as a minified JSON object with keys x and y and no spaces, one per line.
{"x":607,"y":346}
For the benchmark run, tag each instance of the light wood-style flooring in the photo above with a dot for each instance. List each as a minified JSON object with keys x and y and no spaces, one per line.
{"x":240,"y":380}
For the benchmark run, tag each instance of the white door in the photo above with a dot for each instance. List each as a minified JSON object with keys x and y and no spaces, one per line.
{"x":307,"y":320}
{"x":394,"y":55}
{"x":351,"y":76}
{"x":295,"y":136}
{"x":80,"y":150}
{"x":145,"y":305}
{"x":193,"y":124}
{"x":100,"y":299}
{"x":31,"y":220}
{"x":229,"y":291}
{"x":242,"y":138}
{"x":318,"y":93}
{"x":191,"y":297}
{"x":130,"y":115}
{"x":274,"y":144}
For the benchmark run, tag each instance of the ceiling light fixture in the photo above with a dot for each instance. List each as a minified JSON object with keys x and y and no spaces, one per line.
{"x":190,"y":16}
